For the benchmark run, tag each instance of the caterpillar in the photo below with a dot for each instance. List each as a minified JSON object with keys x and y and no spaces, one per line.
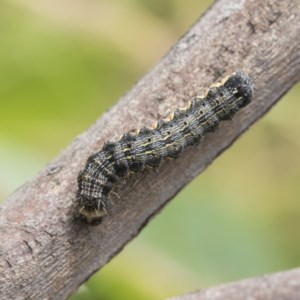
{"x":134,"y":152}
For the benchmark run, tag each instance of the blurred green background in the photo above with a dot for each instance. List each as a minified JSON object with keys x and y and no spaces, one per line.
{"x":63,"y":63}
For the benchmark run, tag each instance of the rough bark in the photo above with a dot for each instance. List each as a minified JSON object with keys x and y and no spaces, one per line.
{"x":278,"y":286}
{"x":46,"y":252}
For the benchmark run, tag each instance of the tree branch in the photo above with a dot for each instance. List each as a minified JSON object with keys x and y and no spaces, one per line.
{"x":45,"y":249}
{"x":278,"y":286}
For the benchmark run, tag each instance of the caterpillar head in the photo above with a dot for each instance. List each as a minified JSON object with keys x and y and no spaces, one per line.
{"x":92,"y":209}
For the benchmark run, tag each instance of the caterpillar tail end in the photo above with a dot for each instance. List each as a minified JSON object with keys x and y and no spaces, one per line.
{"x":243,"y":84}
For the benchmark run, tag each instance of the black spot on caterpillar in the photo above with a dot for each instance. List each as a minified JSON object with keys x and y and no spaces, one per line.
{"x":133,"y":153}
